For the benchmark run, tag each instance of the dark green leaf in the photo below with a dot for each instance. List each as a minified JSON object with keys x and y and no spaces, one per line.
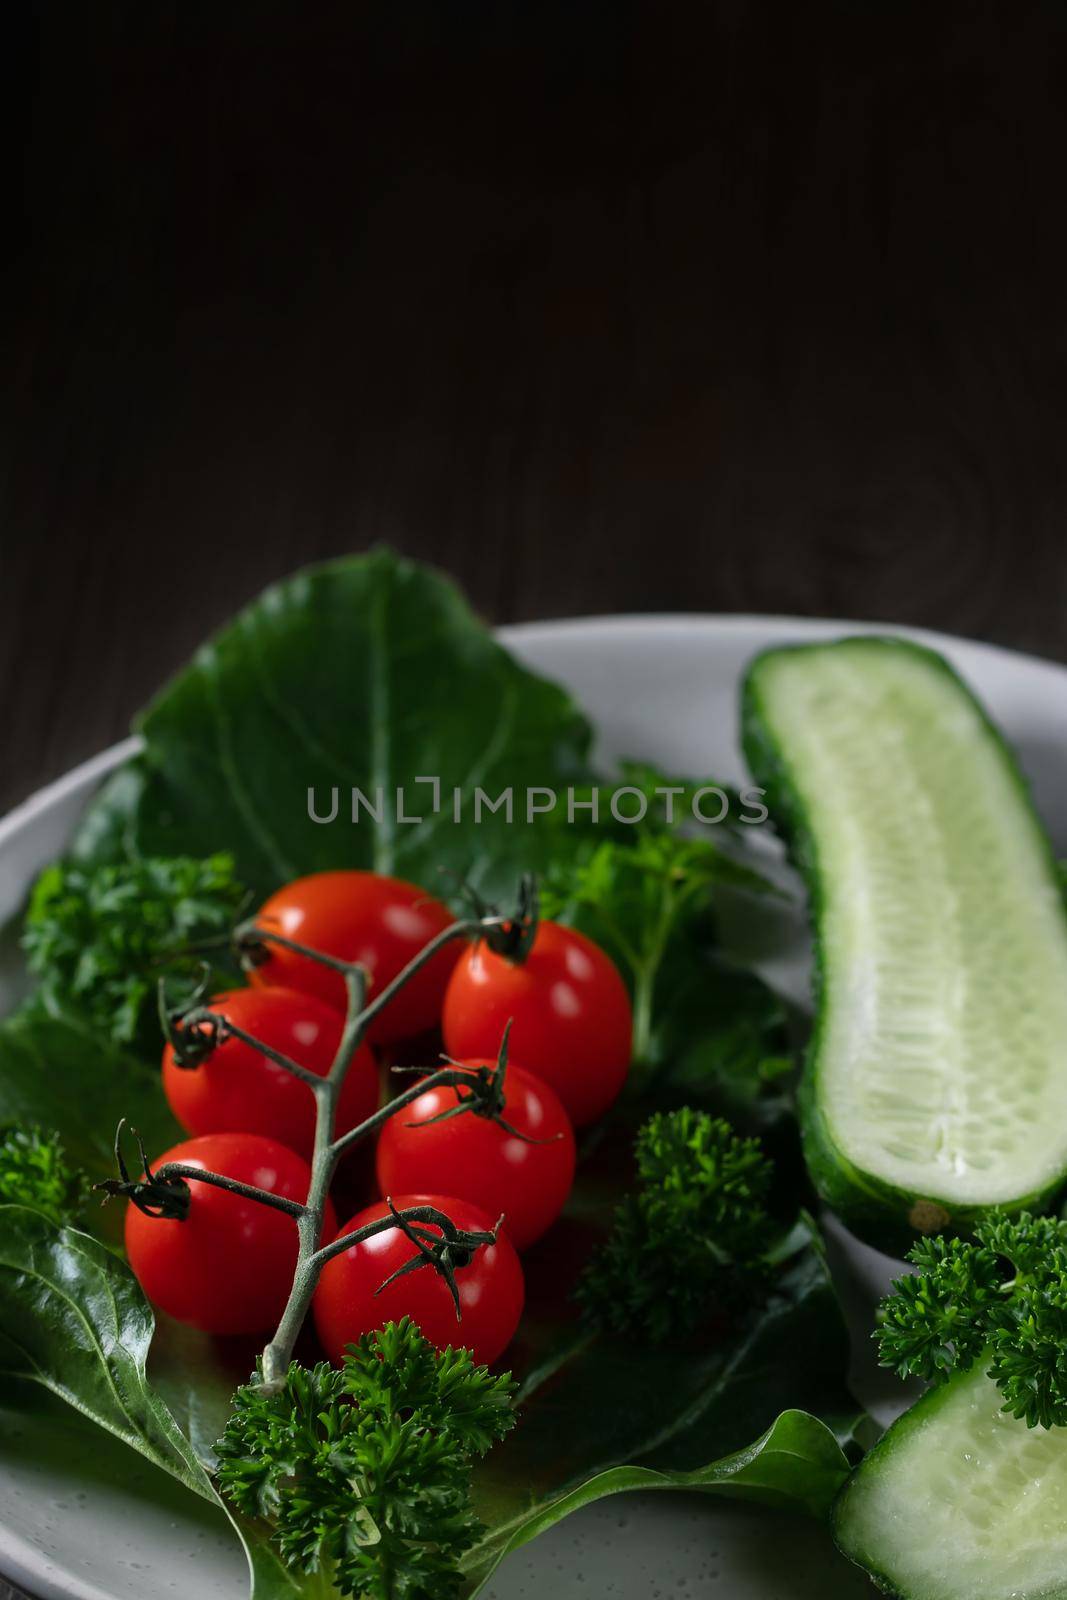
{"x":56,"y":1072}
{"x":368,"y":673}
{"x":597,"y":1404}
{"x":196,"y":1376}
{"x":74,"y":1321}
{"x":720,"y":1040}
{"x":50,"y":1447}
{"x":796,"y":1465}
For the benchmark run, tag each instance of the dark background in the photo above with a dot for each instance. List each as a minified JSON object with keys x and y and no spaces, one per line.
{"x":603,"y":307}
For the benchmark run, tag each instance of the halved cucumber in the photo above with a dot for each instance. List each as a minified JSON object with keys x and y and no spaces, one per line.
{"x":959,"y":1501}
{"x":936,"y":1081}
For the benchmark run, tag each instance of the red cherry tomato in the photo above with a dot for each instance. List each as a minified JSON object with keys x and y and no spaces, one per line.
{"x":490,"y":1288}
{"x":528,"y":1179}
{"x":227,"y":1266}
{"x":360,"y":916}
{"x":569,"y":1012}
{"x":239,"y":1090}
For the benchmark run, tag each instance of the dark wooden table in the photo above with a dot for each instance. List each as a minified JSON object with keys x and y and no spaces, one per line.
{"x":711,"y":306}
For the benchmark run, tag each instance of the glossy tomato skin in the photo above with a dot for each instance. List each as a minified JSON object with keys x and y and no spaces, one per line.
{"x":238,"y":1090}
{"x":490,"y":1289}
{"x":570,"y":1016}
{"x":528,"y":1180}
{"x":226,"y":1267}
{"x":360,"y":916}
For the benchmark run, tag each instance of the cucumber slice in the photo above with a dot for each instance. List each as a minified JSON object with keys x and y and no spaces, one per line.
{"x":959,"y":1501}
{"x":936,"y":1081}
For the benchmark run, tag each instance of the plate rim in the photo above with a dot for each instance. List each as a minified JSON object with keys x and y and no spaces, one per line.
{"x":100,"y":765}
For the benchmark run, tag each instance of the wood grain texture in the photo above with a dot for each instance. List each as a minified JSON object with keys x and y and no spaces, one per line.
{"x":602,"y":307}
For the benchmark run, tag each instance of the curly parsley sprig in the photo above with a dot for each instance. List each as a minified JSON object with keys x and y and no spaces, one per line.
{"x":694,"y":1234}
{"x":1001,"y":1300}
{"x":365,"y":1473}
{"x":35,"y":1172}
{"x":101,"y":936}
{"x":643,"y":887}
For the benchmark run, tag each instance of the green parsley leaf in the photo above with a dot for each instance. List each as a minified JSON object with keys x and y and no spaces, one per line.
{"x":693,"y":1237}
{"x":100,"y":938}
{"x":1001,"y":1299}
{"x":365,"y":1472}
{"x":643,"y":890}
{"x":34,"y":1172}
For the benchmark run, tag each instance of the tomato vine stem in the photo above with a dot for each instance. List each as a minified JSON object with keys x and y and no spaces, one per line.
{"x":215,"y":1030}
{"x":199,"y":1030}
{"x":248,"y":1191}
{"x":328,"y":1149}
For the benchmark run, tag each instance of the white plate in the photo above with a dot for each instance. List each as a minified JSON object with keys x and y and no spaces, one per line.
{"x":71,"y":1525}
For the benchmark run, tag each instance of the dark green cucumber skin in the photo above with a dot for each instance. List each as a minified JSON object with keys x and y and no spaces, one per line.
{"x":883,"y":1215}
{"x":894,"y":1436}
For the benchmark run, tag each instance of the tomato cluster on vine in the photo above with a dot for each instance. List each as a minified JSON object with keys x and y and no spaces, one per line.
{"x":537,"y":1039}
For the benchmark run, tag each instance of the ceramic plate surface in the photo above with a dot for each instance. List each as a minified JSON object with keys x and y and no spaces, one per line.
{"x":77,"y":1524}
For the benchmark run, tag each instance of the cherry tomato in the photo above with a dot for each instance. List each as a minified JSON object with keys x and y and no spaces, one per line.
{"x":239,"y":1090}
{"x":527,"y":1178}
{"x":360,"y":916}
{"x":490,"y":1288}
{"x":569,"y":1012}
{"x":227,"y":1266}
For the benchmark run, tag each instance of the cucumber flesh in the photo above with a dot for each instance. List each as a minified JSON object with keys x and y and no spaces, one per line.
{"x":959,"y":1501}
{"x":937,"y":1079}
